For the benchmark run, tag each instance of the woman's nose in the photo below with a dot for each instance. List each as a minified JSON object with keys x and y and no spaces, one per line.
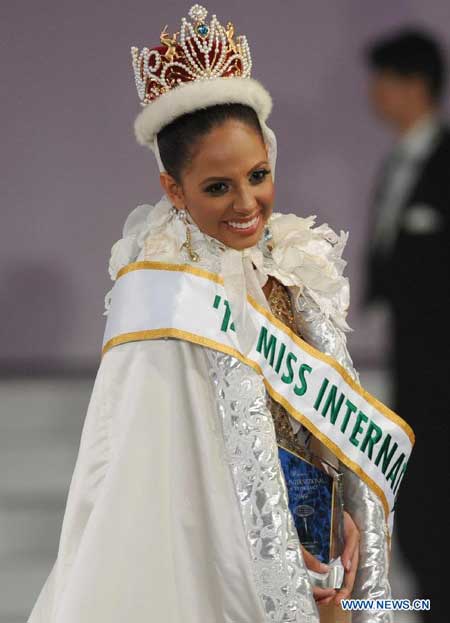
{"x":245,"y":203}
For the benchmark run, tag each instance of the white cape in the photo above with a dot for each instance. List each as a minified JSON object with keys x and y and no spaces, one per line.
{"x":151,"y":520}
{"x":162,"y":522}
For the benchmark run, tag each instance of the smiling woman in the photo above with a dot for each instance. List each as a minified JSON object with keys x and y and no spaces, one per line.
{"x":218,"y":170}
{"x":179,"y":509}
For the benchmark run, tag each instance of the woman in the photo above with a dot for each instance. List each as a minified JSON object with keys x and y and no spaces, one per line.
{"x":177,"y":508}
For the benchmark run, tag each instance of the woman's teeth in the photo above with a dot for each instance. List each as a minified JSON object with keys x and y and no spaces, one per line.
{"x":246,"y":225}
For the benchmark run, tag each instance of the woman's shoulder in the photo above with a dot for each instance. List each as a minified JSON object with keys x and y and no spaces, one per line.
{"x":301,"y":234}
{"x":309,"y":257}
{"x":145,"y":228}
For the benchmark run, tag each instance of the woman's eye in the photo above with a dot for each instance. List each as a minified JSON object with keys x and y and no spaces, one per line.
{"x":261,"y":174}
{"x":214,"y":188}
{"x":218,"y":187}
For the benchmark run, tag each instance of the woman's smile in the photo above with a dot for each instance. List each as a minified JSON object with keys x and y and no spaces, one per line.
{"x":244,"y":227}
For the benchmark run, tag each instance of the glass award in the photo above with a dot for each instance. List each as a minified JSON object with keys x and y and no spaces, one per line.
{"x":316,"y":502}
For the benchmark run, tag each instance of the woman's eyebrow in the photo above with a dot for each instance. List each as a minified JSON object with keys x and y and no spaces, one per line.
{"x":228,"y":179}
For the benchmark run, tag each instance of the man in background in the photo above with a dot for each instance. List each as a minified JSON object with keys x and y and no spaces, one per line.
{"x":408,"y":268}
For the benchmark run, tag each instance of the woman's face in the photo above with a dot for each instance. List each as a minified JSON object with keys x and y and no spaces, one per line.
{"x":228,"y":188}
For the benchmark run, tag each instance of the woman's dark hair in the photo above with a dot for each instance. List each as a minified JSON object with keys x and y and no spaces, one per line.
{"x":178,"y":140}
{"x":410,"y":52}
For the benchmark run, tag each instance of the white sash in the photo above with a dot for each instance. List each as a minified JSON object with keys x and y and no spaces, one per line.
{"x":151,"y":300}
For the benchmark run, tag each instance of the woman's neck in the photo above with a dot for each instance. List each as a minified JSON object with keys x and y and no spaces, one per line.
{"x":267,"y":288}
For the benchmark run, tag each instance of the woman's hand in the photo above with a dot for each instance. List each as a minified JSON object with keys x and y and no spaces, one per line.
{"x":349,"y":557}
{"x":321,"y":595}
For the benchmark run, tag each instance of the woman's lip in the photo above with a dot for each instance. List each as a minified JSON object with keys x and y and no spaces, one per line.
{"x":248,"y":230}
{"x":243,"y":220}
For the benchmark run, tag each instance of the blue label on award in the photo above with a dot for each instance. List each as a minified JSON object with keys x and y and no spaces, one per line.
{"x":310,"y":492}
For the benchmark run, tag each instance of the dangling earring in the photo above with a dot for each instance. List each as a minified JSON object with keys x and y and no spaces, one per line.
{"x":267,"y":239}
{"x":187,"y":244}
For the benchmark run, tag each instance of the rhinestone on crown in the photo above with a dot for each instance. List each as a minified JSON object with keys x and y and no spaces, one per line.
{"x":202,"y":52}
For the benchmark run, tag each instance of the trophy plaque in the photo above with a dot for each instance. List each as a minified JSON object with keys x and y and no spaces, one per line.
{"x":316,"y":503}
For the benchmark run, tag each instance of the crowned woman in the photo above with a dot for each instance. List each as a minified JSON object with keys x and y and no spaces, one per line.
{"x":178,"y":508}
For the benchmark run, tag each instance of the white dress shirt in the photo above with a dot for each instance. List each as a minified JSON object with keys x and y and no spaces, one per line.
{"x":403,"y":167}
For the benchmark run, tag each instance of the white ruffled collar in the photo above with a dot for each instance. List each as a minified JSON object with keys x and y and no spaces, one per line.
{"x":292,"y":250}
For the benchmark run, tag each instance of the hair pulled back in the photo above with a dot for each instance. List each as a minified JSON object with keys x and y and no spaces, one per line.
{"x":177,"y":141}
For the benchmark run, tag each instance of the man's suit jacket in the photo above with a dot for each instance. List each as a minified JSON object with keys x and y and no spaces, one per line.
{"x":413,"y":276}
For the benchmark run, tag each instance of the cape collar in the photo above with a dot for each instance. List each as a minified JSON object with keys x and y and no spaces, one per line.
{"x":292,"y":249}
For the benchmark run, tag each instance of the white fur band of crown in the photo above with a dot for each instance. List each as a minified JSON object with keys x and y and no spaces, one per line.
{"x":203,"y":52}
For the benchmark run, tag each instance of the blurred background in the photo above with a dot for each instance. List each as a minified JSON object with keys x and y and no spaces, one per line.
{"x":72,"y":171}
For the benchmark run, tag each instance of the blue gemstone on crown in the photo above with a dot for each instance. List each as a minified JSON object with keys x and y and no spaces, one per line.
{"x":202,"y":30}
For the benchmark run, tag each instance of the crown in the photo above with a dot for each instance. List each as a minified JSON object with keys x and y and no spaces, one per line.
{"x":202,"y":52}
{"x":198,"y":66}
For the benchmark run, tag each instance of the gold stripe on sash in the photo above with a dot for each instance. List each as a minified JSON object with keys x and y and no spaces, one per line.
{"x":201,"y":272}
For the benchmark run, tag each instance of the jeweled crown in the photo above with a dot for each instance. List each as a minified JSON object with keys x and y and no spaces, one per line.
{"x":202,"y":52}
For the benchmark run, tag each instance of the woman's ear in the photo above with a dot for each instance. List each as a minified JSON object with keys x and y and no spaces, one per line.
{"x":172,"y":190}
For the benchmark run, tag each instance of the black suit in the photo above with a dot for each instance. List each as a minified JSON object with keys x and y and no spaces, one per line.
{"x":413,"y":277}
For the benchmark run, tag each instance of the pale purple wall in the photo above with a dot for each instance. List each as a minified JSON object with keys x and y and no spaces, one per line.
{"x":72,"y":170}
